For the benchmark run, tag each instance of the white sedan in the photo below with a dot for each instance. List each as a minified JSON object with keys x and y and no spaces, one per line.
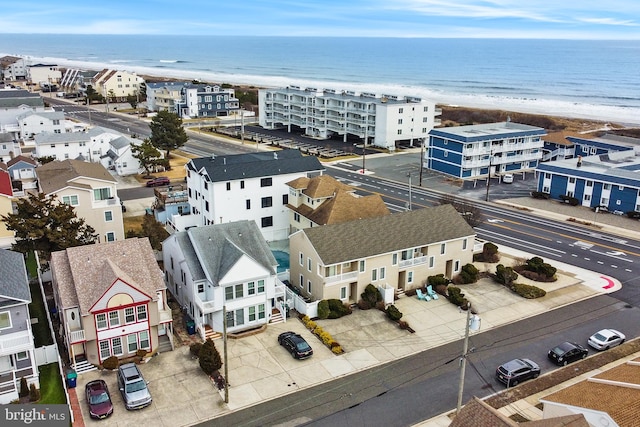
{"x":605,"y":339}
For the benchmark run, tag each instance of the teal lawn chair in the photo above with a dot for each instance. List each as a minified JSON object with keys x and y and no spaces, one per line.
{"x":420,"y":294}
{"x":431,"y":293}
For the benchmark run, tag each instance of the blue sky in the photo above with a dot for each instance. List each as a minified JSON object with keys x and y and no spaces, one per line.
{"x":567,"y":19}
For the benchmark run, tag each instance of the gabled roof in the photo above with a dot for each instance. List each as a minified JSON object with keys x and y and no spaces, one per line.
{"x":120,"y":142}
{"x":15,"y":98}
{"x":21,"y":159}
{"x":51,"y":115}
{"x":345,"y":206}
{"x":320,"y":186}
{"x":253,"y":165}
{"x":84,"y":273}
{"x":5,"y":181}
{"x":56,"y":175}
{"x":217,"y":248}
{"x":14,"y":283}
{"x":7,"y":60}
{"x":615,"y":391}
{"x":369,"y":237}
{"x":98,"y":130}
{"x":7,"y":137}
{"x":44,"y":138}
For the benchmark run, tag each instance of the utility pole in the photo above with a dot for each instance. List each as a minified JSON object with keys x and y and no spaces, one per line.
{"x":472,"y":324}
{"x":226,"y":365}
{"x":421,"y":159}
{"x":486,"y":197}
{"x":409,"y":204}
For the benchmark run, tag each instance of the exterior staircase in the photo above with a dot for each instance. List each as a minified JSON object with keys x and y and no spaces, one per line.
{"x":82,"y":366}
{"x":276,"y":317}
{"x":164,"y":344}
{"x":210,"y":333}
{"x":400,"y":293}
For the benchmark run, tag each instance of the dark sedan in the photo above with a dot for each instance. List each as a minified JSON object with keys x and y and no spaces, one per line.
{"x":567,"y":352}
{"x":98,"y":399}
{"x":517,"y":370}
{"x":295,"y":344}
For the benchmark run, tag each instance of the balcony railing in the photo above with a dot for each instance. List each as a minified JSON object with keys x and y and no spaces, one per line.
{"x":76,"y":336}
{"x":413,"y":261}
{"x":15,"y":342}
{"x":165,"y":316}
{"x":205,"y":306}
{"x":341,"y":277}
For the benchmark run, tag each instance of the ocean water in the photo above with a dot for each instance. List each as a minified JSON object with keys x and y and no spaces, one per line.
{"x":572,"y":78}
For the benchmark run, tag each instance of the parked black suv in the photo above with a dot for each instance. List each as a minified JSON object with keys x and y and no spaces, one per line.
{"x":516,"y":371}
{"x":133,"y":387}
{"x":567,"y":352}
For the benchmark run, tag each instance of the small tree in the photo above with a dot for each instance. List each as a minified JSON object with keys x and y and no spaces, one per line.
{"x":371,"y":295}
{"x":393,"y":313}
{"x":34,"y":393}
{"x":469,"y":274}
{"x":323,"y":309}
{"x":155,"y":231}
{"x":489,"y":253}
{"x":505,"y":275}
{"x":147,"y":155}
{"x":24,"y":388}
{"x":209,"y":358}
{"x":133,"y":100}
{"x":167,"y":132}
{"x":111,"y":363}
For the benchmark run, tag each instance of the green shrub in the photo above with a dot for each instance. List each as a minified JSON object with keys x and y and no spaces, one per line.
{"x":528,"y":291}
{"x":323,"y":309}
{"x":437,"y":280}
{"x":489,"y":253}
{"x":194,"y":349}
{"x":111,"y":363}
{"x":34,"y":393}
{"x":24,"y":388}
{"x":393,"y":313}
{"x":456,"y":297}
{"x":209,"y":358}
{"x":570,"y":200}
{"x":469,"y":274}
{"x":537,"y":265}
{"x":337,"y":309}
{"x":540,"y":195}
{"x":505,"y":275}
{"x":371,"y":295}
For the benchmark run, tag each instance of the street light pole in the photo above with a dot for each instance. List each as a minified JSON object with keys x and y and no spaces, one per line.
{"x":421,"y":159}
{"x":473,"y":323}
{"x":409,"y":204}
{"x":486,"y":198}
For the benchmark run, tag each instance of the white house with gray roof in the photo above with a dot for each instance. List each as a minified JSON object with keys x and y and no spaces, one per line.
{"x":223,"y":265}
{"x":245,"y":186}
{"x":17,"y":359}
{"x":34,"y":122}
{"x":13,"y":103}
{"x":111,"y":300}
{"x":396,"y":252}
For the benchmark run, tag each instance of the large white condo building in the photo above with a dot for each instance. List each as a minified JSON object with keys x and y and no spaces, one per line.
{"x":381,"y":120}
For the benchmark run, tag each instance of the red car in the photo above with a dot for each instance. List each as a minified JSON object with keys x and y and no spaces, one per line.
{"x":159,"y":181}
{"x":98,"y":399}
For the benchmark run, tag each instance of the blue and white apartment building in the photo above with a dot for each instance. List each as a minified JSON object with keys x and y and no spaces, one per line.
{"x":469,"y":152}
{"x":610,"y":178}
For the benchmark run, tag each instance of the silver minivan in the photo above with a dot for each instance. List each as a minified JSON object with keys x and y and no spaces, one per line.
{"x":133,"y":387}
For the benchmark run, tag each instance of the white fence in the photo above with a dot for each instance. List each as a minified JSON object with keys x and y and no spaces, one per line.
{"x":46,"y":354}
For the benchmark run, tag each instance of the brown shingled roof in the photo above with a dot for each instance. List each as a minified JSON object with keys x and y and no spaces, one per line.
{"x":367,"y":237}
{"x":82,"y":274}
{"x":476,"y":413}
{"x":323,"y":186}
{"x":56,"y":175}
{"x":618,"y":397}
{"x":344,"y":206}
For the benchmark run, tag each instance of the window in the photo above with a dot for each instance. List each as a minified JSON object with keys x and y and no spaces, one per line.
{"x":206,"y":205}
{"x":111,"y":236}
{"x":425,"y":109}
{"x":374,"y":275}
{"x":267,"y":202}
{"x":443,"y":248}
{"x":228,"y":186}
{"x":248,"y":203}
{"x":464,"y":244}
{"x":260,"y":286}
{"x":383,"y":273}
{"x":309,"y":286}
{"x":399,"y":121}
{"x":410,"y":277}
{"x":101,"y":193}
{"x":589,"y":183}
{"x":22,"y":355}
{"x":296,"y":217}
{"x":394,"y":259}
{"x":432,"y":261}
{"x":241,"y":185}
{"x":70,"y":200}
{"x":261,"y":312}
{"x":129,"y":315}
{"x":239,"y":317}
{"x":399,"y":131}
{"x":104,"y":349}
{"x":142,"y":312}
{"x":607,"y":186}
{"x":251,"y":288}
{"x":200,"y":288}
{"x":144,"y":339}
{"x":343,"y":292}
{"x":456,"y":266}
{"x":114,"y":319}
{"x":5,"y":320}
{"x":116,"y":346}
{"x":132,"y":342}
{"x":362,"y":266}
{"x":108,"y":216}
{"x":285,"y":199}
{"x":101,"y":321}
{"x":572,"y":180}
{"x":301,"y":258}
{"x":239,"y":290}
{"x":266,"y":182}
{"x":309,"y":264}
{"x":267,"y":221}
{"x":228,"y":293}
{"x":400,"y":110}
{"x":252,"y":314}
{"x":301,"y":281}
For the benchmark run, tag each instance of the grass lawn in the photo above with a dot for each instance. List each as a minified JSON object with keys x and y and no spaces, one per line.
{"x":133,"y":223}
{"x":32,"y":266}
{"x":51,"y":388}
